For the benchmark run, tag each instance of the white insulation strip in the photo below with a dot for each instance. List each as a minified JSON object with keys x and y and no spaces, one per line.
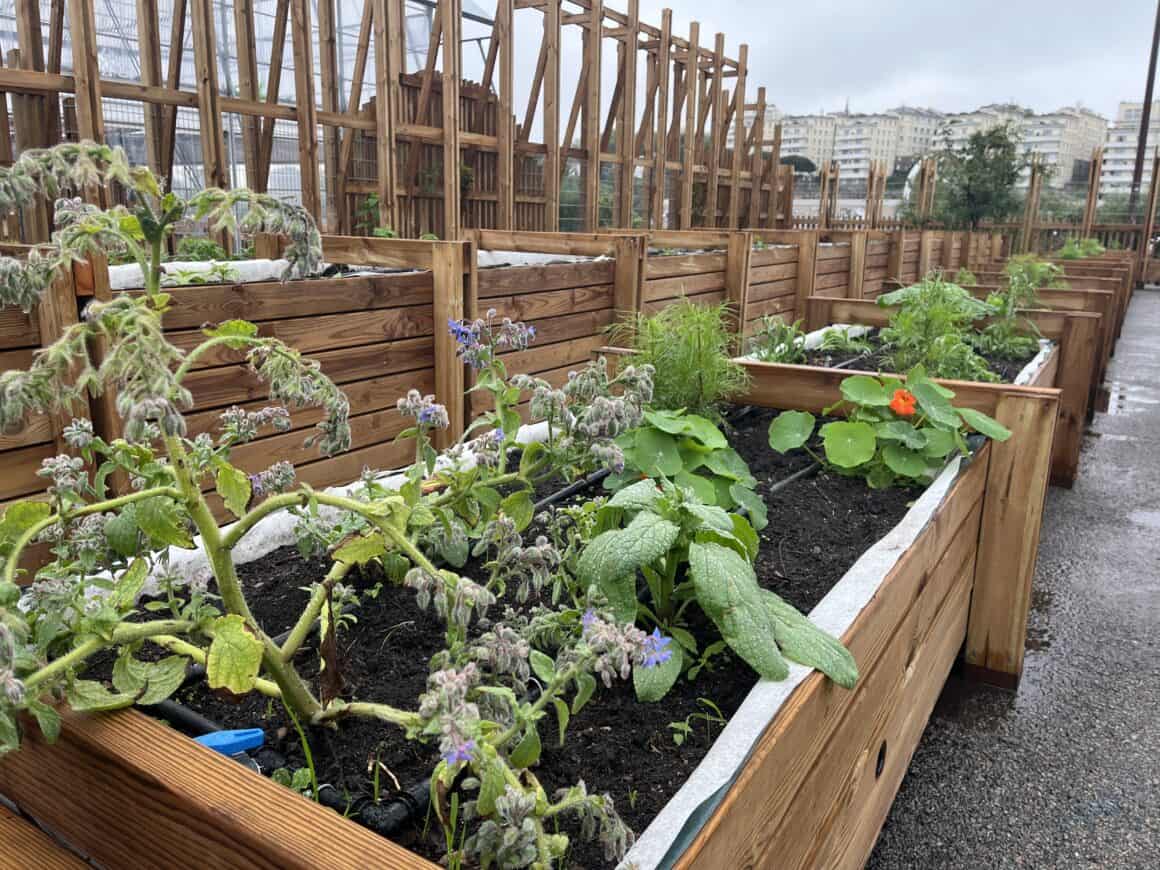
{"x":277,"y":529}
{"x":813,"y":340}
{"x":128,"y":276}
{"x":678,"y":822}
{"x":1027,"y":375}
{"x":488,"y":259}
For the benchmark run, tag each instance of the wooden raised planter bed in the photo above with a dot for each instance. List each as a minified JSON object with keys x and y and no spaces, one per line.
{"x":1072,"y":369}
{"x":815,"y":788}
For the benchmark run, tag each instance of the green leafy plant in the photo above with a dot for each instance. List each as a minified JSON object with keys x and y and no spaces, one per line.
{"x":1079,"y":249}
{"x":384,"y":233}
{"x":894,"y":432}
{"x":136,"y":232}
{"x":933,"y":328}
{"x":776,"y":341}
{"x":693,"y":453}
{"x":842,"y":340}
{"x":218,"y":273}
{"x":200,"y":249}
{"x":1010,"y":335}
{"x":689,"y":347}
{"x":692,"y":554}
{"x":710,"y":716}
{"x":965,"y":277}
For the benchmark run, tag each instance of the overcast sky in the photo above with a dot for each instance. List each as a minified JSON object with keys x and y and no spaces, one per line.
{"x":951,"y":55}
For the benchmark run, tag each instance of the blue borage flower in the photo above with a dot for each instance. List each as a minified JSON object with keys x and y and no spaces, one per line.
{"x":462,"y":752}
{"x":656,"y":649}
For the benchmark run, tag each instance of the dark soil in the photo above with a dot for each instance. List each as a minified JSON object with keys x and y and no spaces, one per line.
{"x":876,"y":361}
{"x":818,"y":527}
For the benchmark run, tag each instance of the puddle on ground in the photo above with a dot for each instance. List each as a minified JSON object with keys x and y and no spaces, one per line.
{"x":1148,"y":519}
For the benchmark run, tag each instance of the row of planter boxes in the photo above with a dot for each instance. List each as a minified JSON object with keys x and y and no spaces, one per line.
{"x":820,"y":775}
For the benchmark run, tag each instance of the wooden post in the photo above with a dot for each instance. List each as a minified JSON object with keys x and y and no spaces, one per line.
{"x":1009,"y":537}
{"x":213,"y":149}
{"x":505,"y":120}
{"x":328,"y":62}
{"x":1027,"y":232}
{"x":857,"y":264}
{"x":717,"y":136}
{"x":273,"y":86}
{"x":737,"y":259}
{"x":149,"y":44}
{"x":806,"y":266}
{"x":733,"y":221}
{"x":628,"y":275}
{"x":689,"y":150}
{"x":626,"y":128}
{"x":450,"y":78}
{"x":553,"y":168}
{"x":388,"y":65}
{"x":593,"y":36}
{"x":248,"y":80}
{"x":347,"y":135}
{"x":1144,"y":253}
{"x":56,"y":311}
{"x":925,"y":247}
{"x":301,"y":33}
{"x":897,"y":253}
{"x":1095,"y":169}
{"x":447,"y":278}
{"x":757,"y":164}
{"x":173,"y":82}
{"x":660,"y":149}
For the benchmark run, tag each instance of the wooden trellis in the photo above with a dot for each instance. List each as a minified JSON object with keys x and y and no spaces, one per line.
{"x":689,"y":150}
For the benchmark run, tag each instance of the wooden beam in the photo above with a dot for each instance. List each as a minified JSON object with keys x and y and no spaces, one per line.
{"x":423,"y":106}
{"x":503,"y":36}
{"x":734,"y":219}
{"x":301,"y":33}
{"x":757,"y":164}
{"x":213,"y":149}
{"x":451,"y":77}
{"x":149,"y":45}
{"x":660,"y":143}
{"x":247,"y":82}
{"x":553,"y":168}
{"x":1095,"y":169}
{"x":592,"y":63}
{"x":626,"y":135}
{"x":328,"y":62}
{"x":273,"y":85}
{"x":688,"y":155}
{"x":717,"y":137}
{"x":353,"y":110}
{"x":173,"y":82}
{"x":447,"y":279}
{"x":388,"y":65}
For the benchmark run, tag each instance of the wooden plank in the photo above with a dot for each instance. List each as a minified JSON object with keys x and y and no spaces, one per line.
{"x":683,"y":285}
{"x":27,"y":846}
{"x":806,"y":263}
{"x":592,"y":109}
{"x":248,"y":81}
{"x":683,"y":264}
{"x":541,"y":279}
{"x":660,"y":150}
{"x":553,"y":169}
{"x":447,"y":274}
{"x":626,"y":126}
{"x":503,"y":36}
{"x":139,"y":789}
{"x":737,"y":278}
{"x":628,"y":277}
{"x":173,"y":82}
{"x":733,"y":220}
{"x":717,"y":134}
{"x":1009,"y":538}
{"x":348,"y":135}
{"x":857,"y":271}
{"x":688,"y":156}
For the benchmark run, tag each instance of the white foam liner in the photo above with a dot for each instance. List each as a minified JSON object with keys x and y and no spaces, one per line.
{"x":487,"y":259}
{"x":678,"y":823}
{"x":128,"y":276}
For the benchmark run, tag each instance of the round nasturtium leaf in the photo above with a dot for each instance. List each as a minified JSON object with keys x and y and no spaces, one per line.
{"x":902,"y":432}
{"x":849,"y":445}
{"x":864,"y":390}
{"x":904,"y":462}
{"x":790,"y":430}
{"x":939,"y":443}
{"x":984,"y":425}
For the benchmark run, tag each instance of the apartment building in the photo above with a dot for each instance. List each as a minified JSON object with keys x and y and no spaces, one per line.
{"x":1064,"y":140}
{"x":809,"y":136}
{"x":956,"y":129}
{"x":1120,"y":148}
{"x":772,"y":116}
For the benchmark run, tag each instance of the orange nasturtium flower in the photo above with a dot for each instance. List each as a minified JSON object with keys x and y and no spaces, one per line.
{"x":903,"y":403}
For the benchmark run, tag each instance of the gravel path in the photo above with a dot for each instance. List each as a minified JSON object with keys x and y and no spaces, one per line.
{"x":1066,"y":772}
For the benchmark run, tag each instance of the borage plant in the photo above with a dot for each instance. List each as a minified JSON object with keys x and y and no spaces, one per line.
{"x":694,"y":555}
{"x":894,"y":432}
{"x":776,"y":341}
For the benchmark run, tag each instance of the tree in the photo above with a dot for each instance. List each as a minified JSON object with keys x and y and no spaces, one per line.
{"x":799,"y":163}
{"x":976,"y":182}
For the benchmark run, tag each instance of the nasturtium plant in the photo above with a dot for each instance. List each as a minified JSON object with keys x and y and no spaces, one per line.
{"x":693,"y":453}
{"x":692,"y":554}
{"x":894,"y":432}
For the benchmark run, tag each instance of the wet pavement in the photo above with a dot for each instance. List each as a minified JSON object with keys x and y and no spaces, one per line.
{"x":1065,"y":772}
